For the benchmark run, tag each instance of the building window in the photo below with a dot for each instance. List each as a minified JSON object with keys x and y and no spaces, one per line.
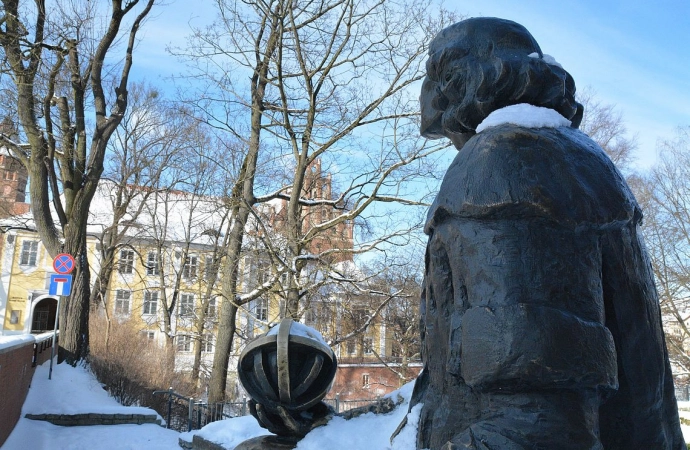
{"x":126,"y":261}
{"x":152,"y":264}
{"x":186,"y":305}
{"x":365,"y":380}
{"x":190,"y":267}
{"x":209,"y":268}
{"x":351,"y":347}
{"x":258,"y":271}
{"x":261,"y":309}
{"x":122,"y":302}
{"x":368,"y":345}
{"x":184,"y":343}
{"x":310,"y":316}
{"x":29,"y":253}
{"x":207,"y":344}
{"x":211,"y":307}
{"x":150,"y":302}
{"x":149,"y":336}
{"x":41,"y":317}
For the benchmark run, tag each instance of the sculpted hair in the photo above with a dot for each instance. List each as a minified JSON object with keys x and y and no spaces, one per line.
{"x":466,"y":85}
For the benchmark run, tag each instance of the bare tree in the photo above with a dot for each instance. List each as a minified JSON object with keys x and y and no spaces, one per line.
{"x":56,"y":59}
{"x":605,"y":125}
{"x":326,"y":78}
{"x":182,"y":224}
{"x":150,"y":135}
{"x":665,"y":198}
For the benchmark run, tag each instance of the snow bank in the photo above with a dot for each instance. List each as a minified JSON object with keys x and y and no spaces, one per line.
{"x":72,"y":390}
{"x":369,"y":431}
{"x":8,"y":342}
{"x":229,"y":433}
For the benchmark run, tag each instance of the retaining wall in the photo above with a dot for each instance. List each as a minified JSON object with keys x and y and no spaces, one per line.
{"x":19,"y":356}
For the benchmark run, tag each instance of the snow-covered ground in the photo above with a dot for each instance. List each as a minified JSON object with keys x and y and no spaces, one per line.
{"x":75,"y":390}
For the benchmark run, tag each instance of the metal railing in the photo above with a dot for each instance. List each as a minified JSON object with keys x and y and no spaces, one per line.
{"x":199,"y":412}
{"x":43,"y":342}
{"x":345,"y":405}
{"x":187,"y":414}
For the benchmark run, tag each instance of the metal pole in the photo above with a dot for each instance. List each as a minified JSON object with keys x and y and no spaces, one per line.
{"x":191,"y":414}
{"x":244,"y":406}
{"x":170,"y":391}
{"x":198,"y":415}
{"x":337,"y":403}
{"x":55,"y":327}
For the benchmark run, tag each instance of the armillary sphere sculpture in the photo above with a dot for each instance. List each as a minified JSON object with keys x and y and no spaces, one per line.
{"x":287,"y":372}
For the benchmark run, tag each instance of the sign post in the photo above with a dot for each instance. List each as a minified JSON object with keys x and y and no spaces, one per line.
{"x":60,"y":285}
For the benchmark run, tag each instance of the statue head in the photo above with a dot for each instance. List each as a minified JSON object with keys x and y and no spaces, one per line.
{"x":479,"y":65}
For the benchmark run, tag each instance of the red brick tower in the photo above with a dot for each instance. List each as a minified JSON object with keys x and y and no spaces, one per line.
{"x":13,"y":175}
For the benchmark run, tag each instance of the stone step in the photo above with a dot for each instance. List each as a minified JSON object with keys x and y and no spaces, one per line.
{"x":78,"y":420}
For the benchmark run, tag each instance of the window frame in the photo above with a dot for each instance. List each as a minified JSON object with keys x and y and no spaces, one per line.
{"x":153,"y":265}
{"x":261,"y":309}
{"x":150,"y":298}
{"x":149,"y":335}
{"x":368,"y":345}
{"x":190,"y":267}
{"x":186,"y":309}
{"x":120,"y":300}
{"x":211,"y":309}
{"x":209,"y":267}
{"x":207,"y":343}
{"x":125,"y":264}
{"x":29,"y":253}
{"x":184,"y":343}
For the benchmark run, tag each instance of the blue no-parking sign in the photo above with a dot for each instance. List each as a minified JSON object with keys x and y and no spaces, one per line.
{"x":60,"y":284}
{"x":63,"y":263}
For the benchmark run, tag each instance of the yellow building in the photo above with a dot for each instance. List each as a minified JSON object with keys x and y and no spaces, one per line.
{"x":166,"y":273}
{"x":166,"y":270}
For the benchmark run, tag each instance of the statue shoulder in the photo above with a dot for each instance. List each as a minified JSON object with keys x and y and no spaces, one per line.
{"x":511,"y":171}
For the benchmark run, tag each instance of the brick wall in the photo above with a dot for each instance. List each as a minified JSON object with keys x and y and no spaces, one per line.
{"x":16,"y":371}
{"x":368,"y":381}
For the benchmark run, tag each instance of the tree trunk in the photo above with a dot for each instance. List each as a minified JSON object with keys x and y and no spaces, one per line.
{"x":74,"y":310}
{"x":197,"y":347}
{"x":221,"y":359}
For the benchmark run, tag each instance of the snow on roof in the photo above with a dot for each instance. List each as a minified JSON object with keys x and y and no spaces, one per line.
{"x":172,"y":216}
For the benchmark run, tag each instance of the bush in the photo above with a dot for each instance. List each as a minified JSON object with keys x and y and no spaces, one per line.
{"x":132,"y":367}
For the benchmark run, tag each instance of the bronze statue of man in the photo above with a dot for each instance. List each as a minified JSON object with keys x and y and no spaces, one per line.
{"x":541,"y":327}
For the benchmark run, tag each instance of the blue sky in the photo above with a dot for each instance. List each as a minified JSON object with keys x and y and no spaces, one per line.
{"x":632,"y":53}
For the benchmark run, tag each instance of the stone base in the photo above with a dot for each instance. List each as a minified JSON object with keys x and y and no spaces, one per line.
{"x":79,"y":420}
{"x":268,"y":442}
